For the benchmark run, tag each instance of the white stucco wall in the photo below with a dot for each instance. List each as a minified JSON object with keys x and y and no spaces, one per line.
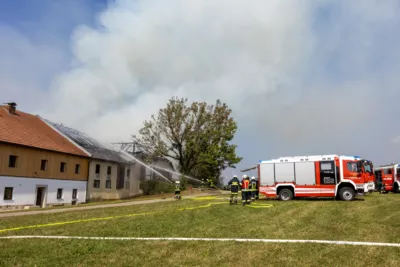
{"x":24,"y":192}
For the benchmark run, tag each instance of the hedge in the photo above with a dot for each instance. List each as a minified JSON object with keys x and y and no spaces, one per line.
{"x":151,"y":187}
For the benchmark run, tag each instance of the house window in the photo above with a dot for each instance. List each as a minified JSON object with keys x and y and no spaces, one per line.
{"x":108,"y":184}
{"x":77,"y":168}
{"x":97,"y":170}
{"x":74,"y":193}
{"x":8,"y":193}
{"x":120,"y":176}
{"x":128,"y":173}
{"x":96,"y":184}
{"x":127,"y":185}
{"x":63,"y":166}
{"x":43,"y":165}
{"x":59,"y":193}
{"x":108,"y":176}
{"x":12,"y":161}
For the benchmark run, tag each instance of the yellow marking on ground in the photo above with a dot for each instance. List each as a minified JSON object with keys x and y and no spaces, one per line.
{"x":254,"y":205}
{"x":204,"y":206}
{"x":76,"y":221}
{"x":206,"y":198}
{"x":259,"y":206}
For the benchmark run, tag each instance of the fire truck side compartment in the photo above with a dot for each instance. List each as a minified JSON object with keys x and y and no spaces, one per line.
{"x":305,"y":173}
{"x":284,"y":172}
{"x":267,"y":177}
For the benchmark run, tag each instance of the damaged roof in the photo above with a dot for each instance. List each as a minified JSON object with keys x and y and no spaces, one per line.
{"x":97,"y":149}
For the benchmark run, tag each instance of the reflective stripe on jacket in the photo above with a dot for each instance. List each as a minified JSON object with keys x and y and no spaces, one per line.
{"x":253,"y":186}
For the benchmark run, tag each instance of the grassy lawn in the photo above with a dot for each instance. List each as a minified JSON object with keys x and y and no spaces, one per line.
{"x":377,"y":219}
{"x":105,"y":202}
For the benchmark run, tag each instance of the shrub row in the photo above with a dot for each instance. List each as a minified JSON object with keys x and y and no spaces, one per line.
{"x":151,"y":187}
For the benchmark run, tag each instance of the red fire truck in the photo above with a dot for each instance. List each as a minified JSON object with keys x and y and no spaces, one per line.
{"x":312,"y":176}
{"x":388,"y":178}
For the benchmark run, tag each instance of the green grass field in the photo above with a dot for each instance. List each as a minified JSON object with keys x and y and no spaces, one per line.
{"x":375,"y":219}
{"x":139,"y":198}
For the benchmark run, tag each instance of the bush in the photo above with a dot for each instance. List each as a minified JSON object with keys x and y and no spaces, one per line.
{"x":152,"y":187}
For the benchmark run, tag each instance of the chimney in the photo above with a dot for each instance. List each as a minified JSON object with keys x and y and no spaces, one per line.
{"x":12,"y":108}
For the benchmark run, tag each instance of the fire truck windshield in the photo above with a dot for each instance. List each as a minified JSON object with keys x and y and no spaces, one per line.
{"x":367,"y":167}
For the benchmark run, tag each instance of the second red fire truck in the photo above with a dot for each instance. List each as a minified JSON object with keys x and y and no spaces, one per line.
{"x":314,"y":176}
{"x":388,"y":178}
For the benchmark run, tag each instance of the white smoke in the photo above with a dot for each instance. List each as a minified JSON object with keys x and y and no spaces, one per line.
{"x":299,"y":81}
{"x":145,"y":52}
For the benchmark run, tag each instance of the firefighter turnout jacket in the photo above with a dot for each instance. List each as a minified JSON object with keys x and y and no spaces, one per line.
{"x":234,"y":183}
{"x":253,"y":185}
{"x":177,"y":187}
{"x":245,"y":185}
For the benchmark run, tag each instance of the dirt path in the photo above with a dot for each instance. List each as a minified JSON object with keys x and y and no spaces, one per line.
{"x":102,"y":206}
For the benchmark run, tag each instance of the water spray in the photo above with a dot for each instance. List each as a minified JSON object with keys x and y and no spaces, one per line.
{"x":152,"y":167}
{"x":171,"y":171}
{"x":146,"y":166}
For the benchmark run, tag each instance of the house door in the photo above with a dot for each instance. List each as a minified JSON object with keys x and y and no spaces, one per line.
{"x":40,"y":196}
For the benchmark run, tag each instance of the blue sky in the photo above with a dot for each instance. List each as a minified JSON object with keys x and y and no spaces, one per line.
{"x":302,"y":77}
{"x":69,"y":12}
{"x":45,"y":23}
{"x":37,"y":18}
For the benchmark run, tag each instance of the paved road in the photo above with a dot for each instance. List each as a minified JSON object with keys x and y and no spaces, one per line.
{"x":101,"y":206}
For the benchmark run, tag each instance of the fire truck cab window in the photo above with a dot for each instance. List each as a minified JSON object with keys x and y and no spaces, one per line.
{"x":352,"y":166}
{"x":387,"y":171}
{"x":367,"y":168}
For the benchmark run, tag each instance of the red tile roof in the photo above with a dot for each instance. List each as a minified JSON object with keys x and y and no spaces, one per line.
{"x":29,"y":130}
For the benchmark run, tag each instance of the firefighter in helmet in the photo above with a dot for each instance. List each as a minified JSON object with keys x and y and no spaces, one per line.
{"x":234,"y":183}
{"x":248,"y":191}
{"x":253,"y":188}
{"x":257,"y":191}
{"x":245,"y":189}
{"x":177,"y":189}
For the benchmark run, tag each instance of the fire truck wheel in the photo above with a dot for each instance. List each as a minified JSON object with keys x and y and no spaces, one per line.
{"x":285,"y":194}
{"x":347,"y":194}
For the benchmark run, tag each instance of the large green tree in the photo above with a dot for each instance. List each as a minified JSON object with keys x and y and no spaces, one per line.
{"x":196,"y":136}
